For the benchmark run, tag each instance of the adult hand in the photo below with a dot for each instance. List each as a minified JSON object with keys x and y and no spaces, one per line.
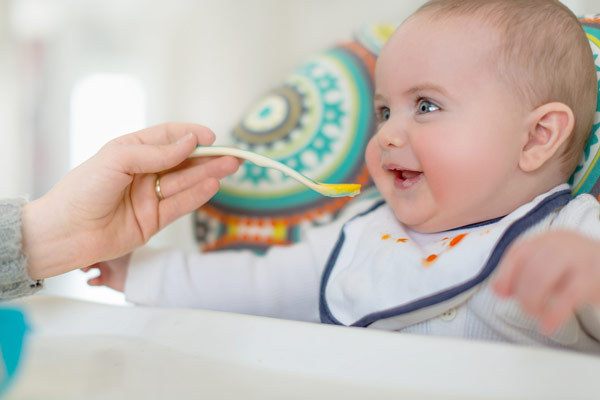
{"x":108,"y":206}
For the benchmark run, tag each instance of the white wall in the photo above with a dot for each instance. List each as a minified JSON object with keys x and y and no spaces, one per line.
{"x":583,"y":7}
{"x":199,"y":60}
{"x":13,"y":181}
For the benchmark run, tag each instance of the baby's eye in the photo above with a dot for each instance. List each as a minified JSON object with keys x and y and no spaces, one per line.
{"x":383,"y":114}
{"x":425,"y":106}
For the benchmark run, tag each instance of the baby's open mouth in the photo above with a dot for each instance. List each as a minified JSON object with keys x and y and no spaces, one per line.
{"x":406,"y":178}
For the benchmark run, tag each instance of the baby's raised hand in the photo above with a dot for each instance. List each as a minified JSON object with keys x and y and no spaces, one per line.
{"x":551,"y":275}
{"x":112,"y":273}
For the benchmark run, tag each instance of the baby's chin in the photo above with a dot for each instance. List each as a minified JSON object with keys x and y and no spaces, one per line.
{"x":416,"y":224}
{"x":430,"y":224}
{"x":425,"y":215}
{"x":426,"y":228}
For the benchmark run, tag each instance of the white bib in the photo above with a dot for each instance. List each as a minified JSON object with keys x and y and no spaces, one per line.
{"x":379,"y":276}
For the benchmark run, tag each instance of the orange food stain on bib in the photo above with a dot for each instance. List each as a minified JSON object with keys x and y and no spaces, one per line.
{"x":456,"y":240}
{"x":429,"y":260}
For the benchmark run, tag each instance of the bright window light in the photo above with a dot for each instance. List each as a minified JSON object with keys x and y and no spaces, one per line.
{"x":104,"y":106}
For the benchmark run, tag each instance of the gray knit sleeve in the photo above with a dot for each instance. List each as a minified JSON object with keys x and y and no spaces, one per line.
{"x":14,"y":279}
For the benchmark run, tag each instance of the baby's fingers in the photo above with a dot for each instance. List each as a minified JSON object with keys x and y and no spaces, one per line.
{"x":90,"y":267}
{"x":561,"y":304}
{"x":505,"y":281}
{"x":539,"y":280}
{"x":97,"y":281}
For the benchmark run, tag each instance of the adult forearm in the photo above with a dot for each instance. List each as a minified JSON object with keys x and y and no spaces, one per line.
{"x":47,"y":244}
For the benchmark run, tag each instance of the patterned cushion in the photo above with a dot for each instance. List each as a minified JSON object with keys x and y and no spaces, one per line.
{"x":586,"y":178}
{"x":319,"y":122}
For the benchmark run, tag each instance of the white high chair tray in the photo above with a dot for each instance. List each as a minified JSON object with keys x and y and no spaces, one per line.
{"x":82,"y":350}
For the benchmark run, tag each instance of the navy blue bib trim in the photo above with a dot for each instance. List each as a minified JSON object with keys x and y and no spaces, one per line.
{"x":545,"y":207}
{"x":476,"y":224}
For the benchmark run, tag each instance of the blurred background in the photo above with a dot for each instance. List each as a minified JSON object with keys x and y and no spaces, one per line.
{"x":76,"y":73}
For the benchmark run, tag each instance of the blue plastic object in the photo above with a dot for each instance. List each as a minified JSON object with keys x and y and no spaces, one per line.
{"x":13,"y":329}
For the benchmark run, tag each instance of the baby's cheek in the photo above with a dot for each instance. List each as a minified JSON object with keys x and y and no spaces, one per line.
{"x":373,"y":158}
{"x":450,"y":180}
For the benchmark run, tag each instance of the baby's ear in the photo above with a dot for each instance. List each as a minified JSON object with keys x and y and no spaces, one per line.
{"x":548,"y":127}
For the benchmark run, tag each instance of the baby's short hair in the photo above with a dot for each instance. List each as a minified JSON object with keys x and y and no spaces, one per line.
{"x":544,"y":55}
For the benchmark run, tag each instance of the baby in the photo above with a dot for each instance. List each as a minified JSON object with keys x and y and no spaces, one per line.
{"x":483,"y":107}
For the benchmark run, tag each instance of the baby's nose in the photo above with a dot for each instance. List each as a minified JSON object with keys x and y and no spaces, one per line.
{"x":391,"y":136}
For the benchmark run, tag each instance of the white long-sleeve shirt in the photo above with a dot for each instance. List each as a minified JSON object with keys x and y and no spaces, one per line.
{"x":286,"y":282}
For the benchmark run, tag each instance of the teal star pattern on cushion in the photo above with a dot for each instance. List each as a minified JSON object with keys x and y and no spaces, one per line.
{"x":327,"y":83}
{"x":254,"y":173}
{"x":332,"y":113}
{"x":321,"y":145}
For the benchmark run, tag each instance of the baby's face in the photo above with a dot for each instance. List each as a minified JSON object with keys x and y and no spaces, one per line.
{"x":450,"y":133}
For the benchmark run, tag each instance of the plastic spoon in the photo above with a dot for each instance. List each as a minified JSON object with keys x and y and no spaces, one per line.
{"x":326,"y":189}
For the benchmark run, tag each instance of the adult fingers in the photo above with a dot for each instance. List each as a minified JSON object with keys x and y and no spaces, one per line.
{"x":191,"y":162}
{"x":178,"y":180}
{"x":186,"y":201}
{"x":168,"y":133}
{"x":146,"y":158}
{"x":157,"y":148}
